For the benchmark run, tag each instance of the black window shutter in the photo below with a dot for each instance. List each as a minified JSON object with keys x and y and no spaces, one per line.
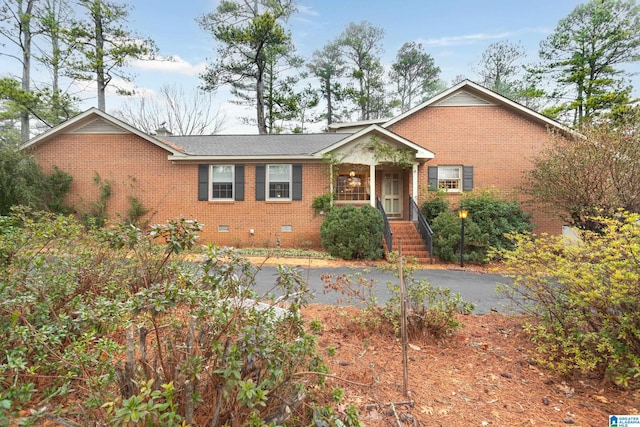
{"x":239,"y":184}
{"x":467,"y":178}
{"x":260,"y":182}
{"x":433,"y":178}
{"x":296,"y":194}
{"x":203,"y":182}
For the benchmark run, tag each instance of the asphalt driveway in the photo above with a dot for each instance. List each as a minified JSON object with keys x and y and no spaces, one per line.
{"x":479,"y":288}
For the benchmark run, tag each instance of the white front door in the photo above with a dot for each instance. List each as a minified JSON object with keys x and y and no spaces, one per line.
{"x":392,"y":194}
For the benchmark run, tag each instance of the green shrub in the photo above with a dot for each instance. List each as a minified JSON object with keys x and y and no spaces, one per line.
{"x":23,"y":182}
{"x":114,"y":325}
{"x":322,"y":204}
{"x":496,"y":217}
{"x":584,"y":298}
{"x":353,"y":233}
{"x":433,"y":207}
{"x":447,"y":231}
{"x":489,"y":221}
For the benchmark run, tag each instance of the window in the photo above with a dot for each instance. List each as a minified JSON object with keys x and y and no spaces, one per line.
{"x":279,"y":182}
{"x":352,"y":186}
{"x":451,"y":178}
{"x":222,"y":182}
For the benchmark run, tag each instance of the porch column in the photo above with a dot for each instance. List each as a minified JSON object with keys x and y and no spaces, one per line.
{"x":414,"y":183}
{"x":372,"y":185}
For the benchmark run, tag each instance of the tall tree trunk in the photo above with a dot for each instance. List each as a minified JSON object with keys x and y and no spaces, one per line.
{"x":25,"y":33}
{"x":329,"y":103}
{"x":100,"y":75}
{"x":262,"y":125}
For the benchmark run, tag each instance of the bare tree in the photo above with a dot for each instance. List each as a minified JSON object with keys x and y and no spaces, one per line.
{"x":180,"y":112}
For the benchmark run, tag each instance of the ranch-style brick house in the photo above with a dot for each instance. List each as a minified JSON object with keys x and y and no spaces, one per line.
{"x":258,"y":190}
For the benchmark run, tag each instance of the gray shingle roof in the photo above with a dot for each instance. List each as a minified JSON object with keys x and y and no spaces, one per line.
{"x":255,"y":145}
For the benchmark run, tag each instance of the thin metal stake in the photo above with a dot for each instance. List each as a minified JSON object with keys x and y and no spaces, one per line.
{"x":403,"y":324}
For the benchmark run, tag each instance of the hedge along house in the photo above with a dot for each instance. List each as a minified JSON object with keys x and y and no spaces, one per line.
{"x":258,"y":190}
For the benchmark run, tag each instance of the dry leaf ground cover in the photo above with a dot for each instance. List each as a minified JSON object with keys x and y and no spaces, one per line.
{"x":485,"y":375}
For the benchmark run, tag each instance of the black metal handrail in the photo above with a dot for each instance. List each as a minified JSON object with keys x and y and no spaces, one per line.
{"x":386,"y":231}
{"x":422,"y":225}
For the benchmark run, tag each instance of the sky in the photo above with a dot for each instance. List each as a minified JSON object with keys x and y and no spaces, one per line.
{"x":453,"y":32}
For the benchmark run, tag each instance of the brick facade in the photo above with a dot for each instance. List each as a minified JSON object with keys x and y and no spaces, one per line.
{"x":498,"y":142}
{"x":136,"y":168}
{"x":480,"y":129}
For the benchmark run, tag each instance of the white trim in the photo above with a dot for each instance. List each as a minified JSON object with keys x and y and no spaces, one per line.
{"x":421,"y":152}
{"x":372,"y":185}
{"x":233,"y":183}
{"x":493,"y":96}
{"x":414,"y":183}
{"x":187,"y":158}
{"x":267,"y":183}
{"x":364,"y":123}
{"x":69,"y":124}
{"x":460,"y":178}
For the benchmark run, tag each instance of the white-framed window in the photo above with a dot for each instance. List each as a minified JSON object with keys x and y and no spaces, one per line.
{"x":279,"y":182}
{"x":222,"y":179}
{"x":352,"y":185}
{"x":450,"y":178}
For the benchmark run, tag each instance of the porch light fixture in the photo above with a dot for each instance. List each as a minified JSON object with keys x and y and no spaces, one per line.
{"x":352,"y":173}
{"x":462,"y":214}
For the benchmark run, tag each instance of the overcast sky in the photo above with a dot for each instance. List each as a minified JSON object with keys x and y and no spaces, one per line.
{"x":453,"y":32}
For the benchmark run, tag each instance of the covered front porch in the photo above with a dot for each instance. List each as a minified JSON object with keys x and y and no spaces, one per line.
{"x":360,"y":184}
{"x":375,"y":163}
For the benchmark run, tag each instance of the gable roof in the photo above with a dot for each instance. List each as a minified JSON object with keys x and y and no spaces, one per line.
{"x":106,"y":124}
{"x":481,"y":95}
{"x":421,"y":152}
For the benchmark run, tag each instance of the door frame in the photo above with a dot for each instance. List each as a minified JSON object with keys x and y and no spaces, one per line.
{"x":392,"y":196}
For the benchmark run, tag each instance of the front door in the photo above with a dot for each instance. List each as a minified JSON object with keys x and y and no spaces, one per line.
{"x":392,"y":194}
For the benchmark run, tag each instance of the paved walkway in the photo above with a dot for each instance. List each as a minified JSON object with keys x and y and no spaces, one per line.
{"x":479,"y":288}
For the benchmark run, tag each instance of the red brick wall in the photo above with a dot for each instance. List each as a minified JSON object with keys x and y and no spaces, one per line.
{"x":135,"y":167}
{"x":497,"y":142}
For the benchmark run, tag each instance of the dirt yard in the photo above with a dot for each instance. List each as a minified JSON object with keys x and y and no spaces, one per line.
{"x":486,"y":375}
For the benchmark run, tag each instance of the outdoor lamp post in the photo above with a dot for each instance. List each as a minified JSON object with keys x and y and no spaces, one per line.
{"x":462,"y":214}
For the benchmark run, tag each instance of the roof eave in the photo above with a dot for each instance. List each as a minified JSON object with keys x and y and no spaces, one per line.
{"x":488,"y":93}
{"x":204,"y":158}
{"x":94,"y":111}
{"x":421,"y":153}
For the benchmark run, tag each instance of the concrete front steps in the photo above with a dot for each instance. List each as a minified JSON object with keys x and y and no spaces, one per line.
{"x":412,"y":244}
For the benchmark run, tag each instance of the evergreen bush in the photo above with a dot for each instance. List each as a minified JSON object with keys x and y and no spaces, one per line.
{"x":353,"y":233}
{"x":496,"y":216}
{"x":433,"y":207}
{"x":447,"y":238}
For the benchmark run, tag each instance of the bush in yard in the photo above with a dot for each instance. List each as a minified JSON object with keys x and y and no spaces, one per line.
{"x":446,"y":239}
{"x":353,"y":233}
{"x":433,"y":207}
{"x":584,"y":298}
{"x":431,"y":311}
{"x":112,"y":327}
{"x":496,"y":216}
